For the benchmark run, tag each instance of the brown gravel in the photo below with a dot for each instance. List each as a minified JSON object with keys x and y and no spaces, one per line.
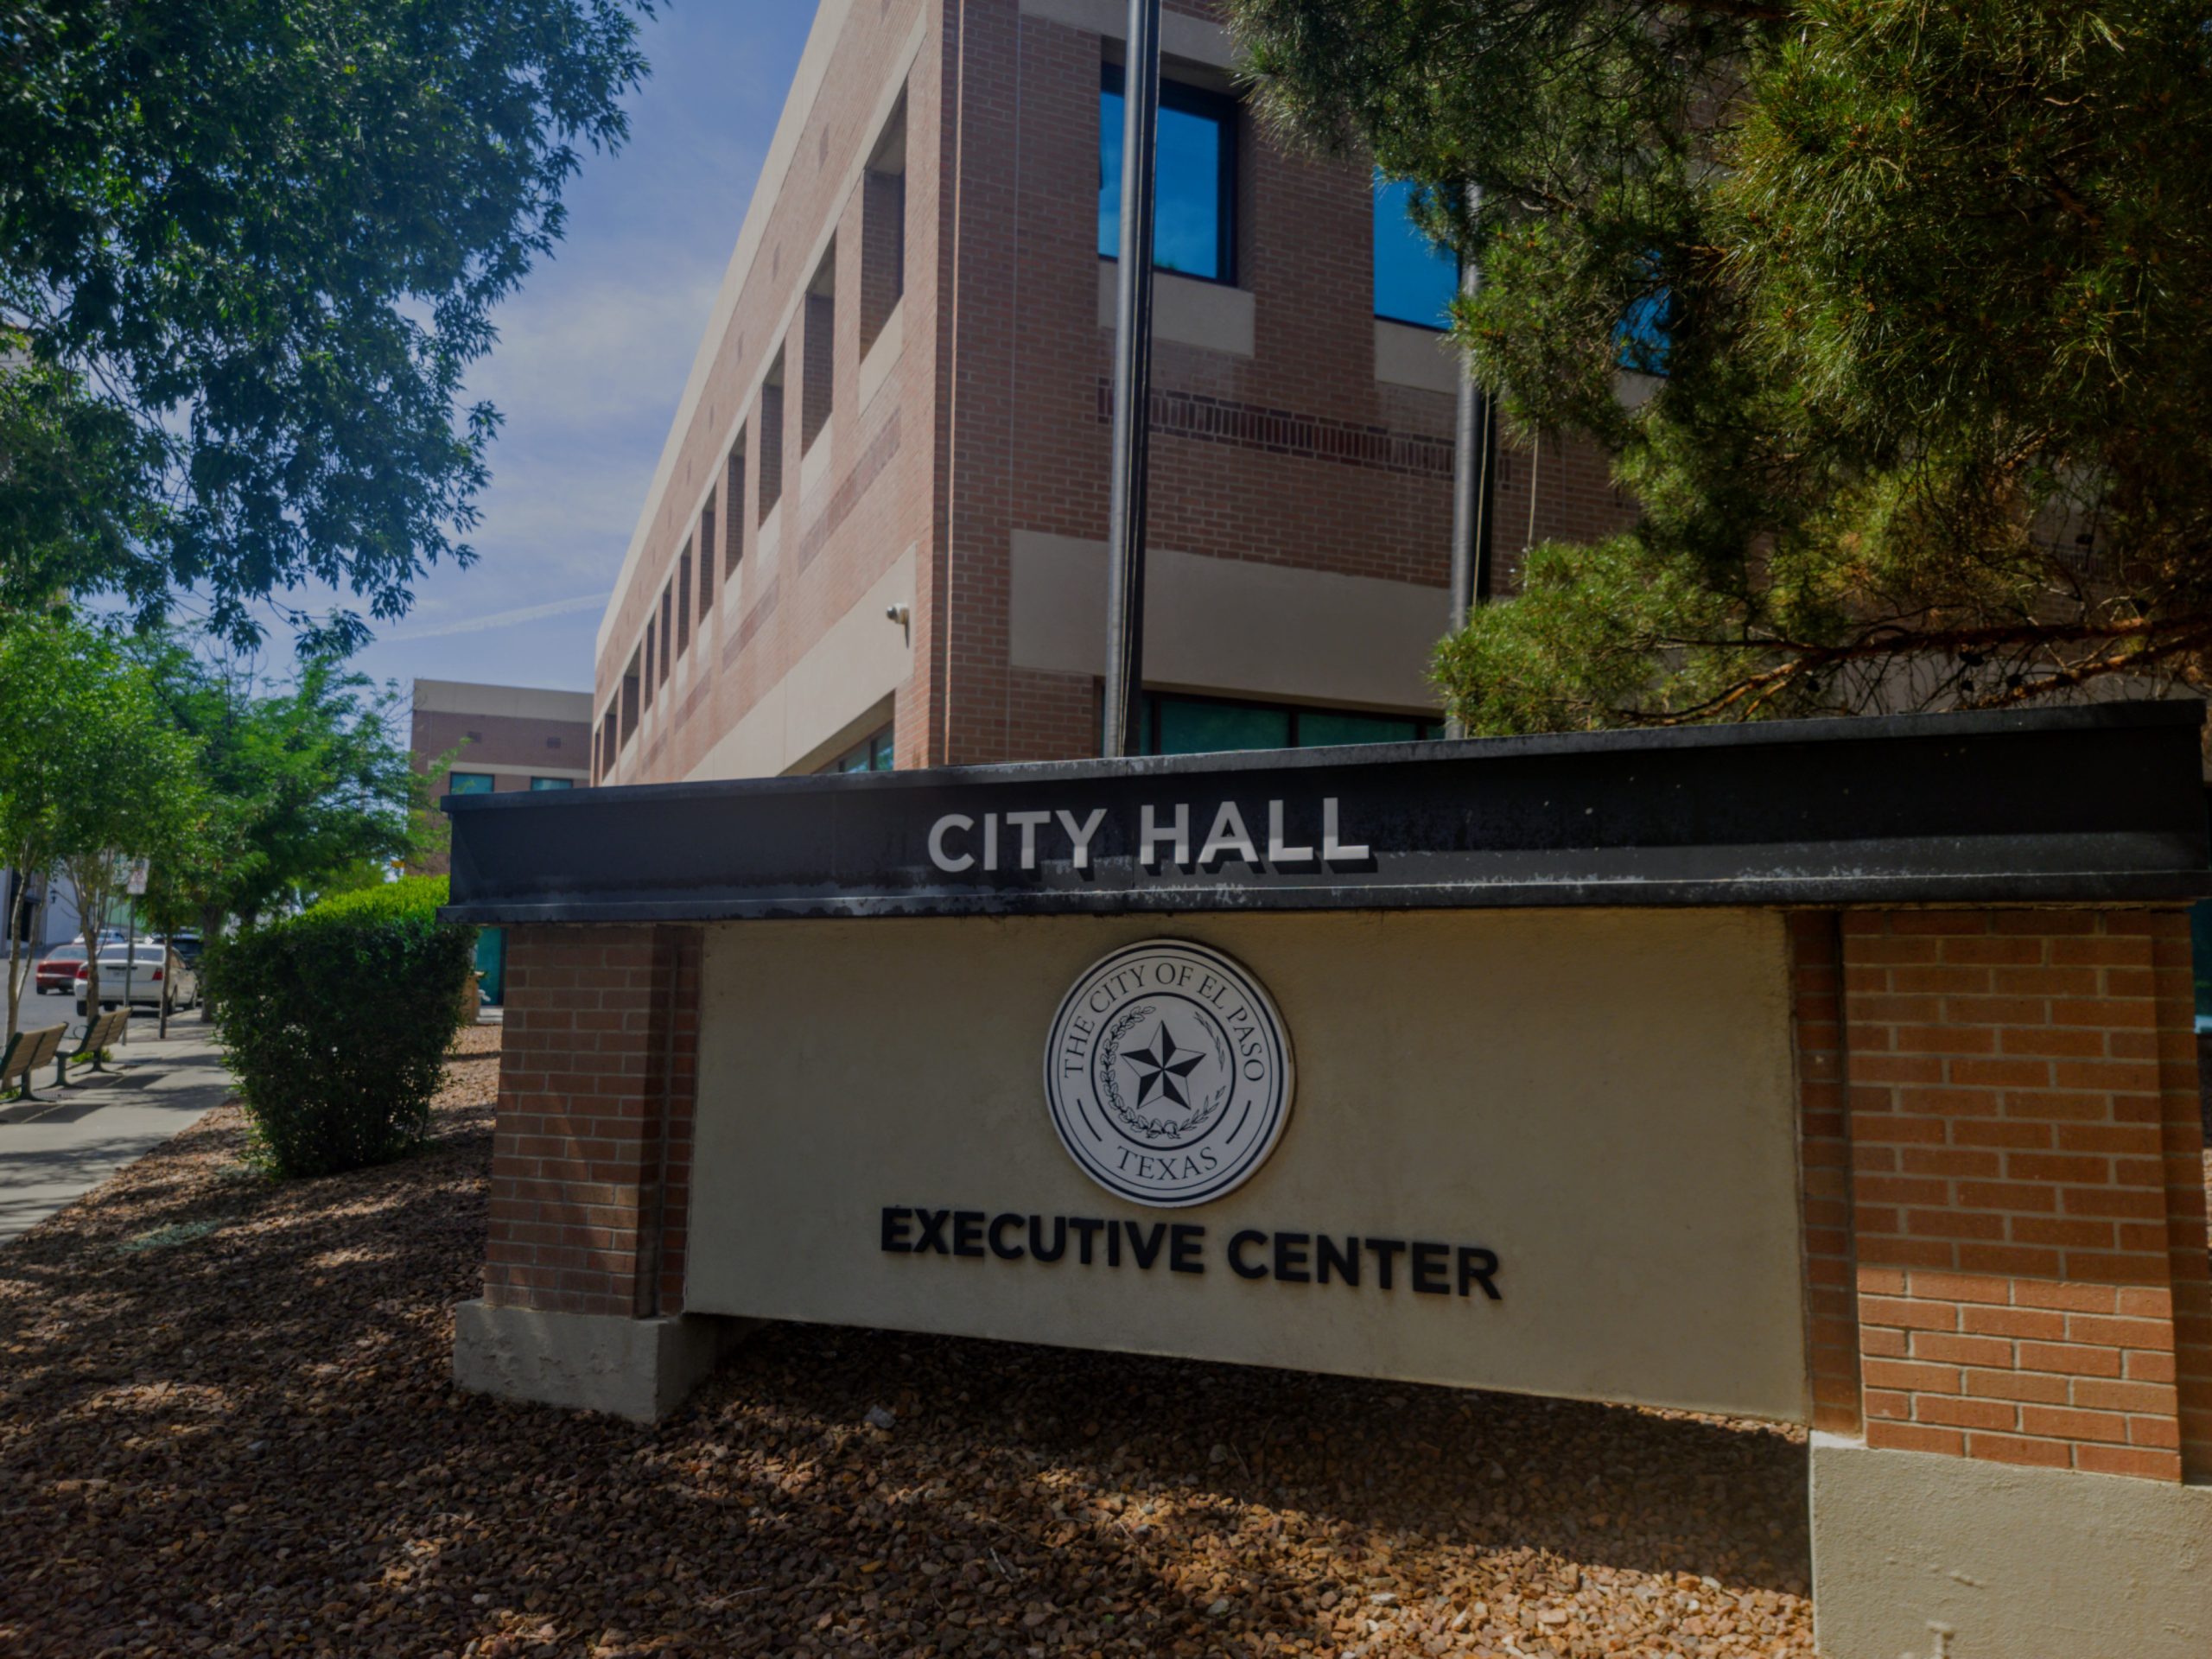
{"x":227,"y":1428}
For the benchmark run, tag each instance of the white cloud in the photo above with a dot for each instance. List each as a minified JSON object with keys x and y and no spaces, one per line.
{"x":498,"y":619}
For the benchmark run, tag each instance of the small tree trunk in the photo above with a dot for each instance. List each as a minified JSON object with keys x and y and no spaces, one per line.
{"x":92,"y":879}
{"x":19,"y":964}
{"x":211,"y":924}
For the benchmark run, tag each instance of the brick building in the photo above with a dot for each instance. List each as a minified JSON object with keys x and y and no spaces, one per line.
{"x":502,"y":737}
{"x":877,"y":530}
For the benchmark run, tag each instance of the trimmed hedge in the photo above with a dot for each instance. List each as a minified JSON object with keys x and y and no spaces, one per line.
{"x":416,"y":896}
{"x":337,"y":1022}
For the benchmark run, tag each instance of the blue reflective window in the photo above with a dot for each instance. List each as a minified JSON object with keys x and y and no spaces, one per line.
{"x":1193,"y":217}
{"x":552,"y":782}
{"x":469,"y":783}
{"x":1415,"y":279}
{"x":1645,"y":336}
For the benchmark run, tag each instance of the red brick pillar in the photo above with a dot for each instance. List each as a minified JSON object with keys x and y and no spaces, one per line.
{"x":2028,"y":1259}
{"x":583,"y":1276}
{"x":2030,"y":1187}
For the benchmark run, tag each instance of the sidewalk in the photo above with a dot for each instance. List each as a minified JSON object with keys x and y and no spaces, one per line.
{"x":56,"y":1148}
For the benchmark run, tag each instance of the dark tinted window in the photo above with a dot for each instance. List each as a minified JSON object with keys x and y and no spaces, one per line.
{"x":1169,"y":724}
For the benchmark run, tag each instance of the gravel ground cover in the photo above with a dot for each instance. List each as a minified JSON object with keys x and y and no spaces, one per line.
{"x":227,"y":1428}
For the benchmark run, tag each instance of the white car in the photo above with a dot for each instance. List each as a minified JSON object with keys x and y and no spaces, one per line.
{"x":153,"y":976}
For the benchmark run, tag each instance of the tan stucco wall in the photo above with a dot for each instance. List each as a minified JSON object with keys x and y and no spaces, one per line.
{"x":1229,"y":624}
{"x":1604,"y":1098}
{"x":1916,"y":1556}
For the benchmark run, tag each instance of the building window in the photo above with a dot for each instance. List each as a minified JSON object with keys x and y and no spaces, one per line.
{"x":818,"y":351}
{"x":632,"y":680}
{"x":871,"y":753}
{"x":772,"y":437}
{"x":883,"y":229}
{"x":667,"y":632}
{"x":469,"y":783}
{"x":649,"y":663}
{"x":1415,"y":279}
{"x":733,"y":506}
{"x":1194,"y":221}
{"x":684,"y":601}
{"x":552,"y":782}
{"x":1645,"y":336}
{"x":1173,"y":724}
{"x":706,"y":559}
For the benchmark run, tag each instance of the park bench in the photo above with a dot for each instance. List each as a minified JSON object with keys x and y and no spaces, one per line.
{"x":27,"y":1051}
{"x":100,"y":1035}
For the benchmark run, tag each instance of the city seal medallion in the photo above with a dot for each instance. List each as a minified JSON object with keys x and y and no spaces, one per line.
{"x":1168,"y":1073}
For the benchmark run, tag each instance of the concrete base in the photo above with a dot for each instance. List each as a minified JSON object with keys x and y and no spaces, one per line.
{"x":638,"y":1368}
{"x":1918,"y":1556}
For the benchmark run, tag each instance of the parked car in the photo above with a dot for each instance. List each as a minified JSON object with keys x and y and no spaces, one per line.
{"x":57,"y":970}
{"x":188,"y":946}
{"x":155,"y":976}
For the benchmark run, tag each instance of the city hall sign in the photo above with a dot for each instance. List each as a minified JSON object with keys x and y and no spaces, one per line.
{"x":1168,"y":1074}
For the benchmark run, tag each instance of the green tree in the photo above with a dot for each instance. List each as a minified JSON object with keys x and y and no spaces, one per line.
{"x":94,"y":772}
{"x":248,"y":250}
{"x":308,"y":786}
{"x":34,"y":756}
{"x":1927,"y":286}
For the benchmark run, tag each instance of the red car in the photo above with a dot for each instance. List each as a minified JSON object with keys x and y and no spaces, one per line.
{"x":57,"y":969}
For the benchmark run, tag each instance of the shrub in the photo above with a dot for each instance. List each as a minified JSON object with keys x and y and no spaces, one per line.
{"x":411,"y":896}
{"x":337,"y":1022}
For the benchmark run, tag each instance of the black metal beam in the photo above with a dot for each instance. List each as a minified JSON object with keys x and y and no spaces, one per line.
{"x":1128,"y":499}
{"x":2101,"y":805}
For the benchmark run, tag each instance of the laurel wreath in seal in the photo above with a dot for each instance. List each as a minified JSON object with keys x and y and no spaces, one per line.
{"x":1151,"y":1129}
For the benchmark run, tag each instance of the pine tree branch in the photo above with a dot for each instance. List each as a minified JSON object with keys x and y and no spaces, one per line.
{"x":1807,"y":661}
{"x":1748,"y":10}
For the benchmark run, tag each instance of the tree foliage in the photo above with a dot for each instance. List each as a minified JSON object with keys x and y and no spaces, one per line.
{"x":94,"y":774}
{"x":307,"y":784}
{"x":248,"y":250}
{"x":1934,"y":280}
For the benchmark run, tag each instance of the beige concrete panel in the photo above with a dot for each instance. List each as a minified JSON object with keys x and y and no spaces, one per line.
{"x":1189,"y":312}
{"x":767,"y":539}
{"x":1407,"y":356}
{"x":861,"y":659}
{"x":1918,"y":1556}
{"x":1231,"y":625}
{"x":512,"y":702}
{"x":814,"y":470}
{"x":1604,"y":1098}
{"x":883,"y":356}
{"x":1197,"y":40}
{"x":638,"y":1368}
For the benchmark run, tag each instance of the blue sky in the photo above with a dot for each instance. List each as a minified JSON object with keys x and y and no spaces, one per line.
{"x":593,"y":352}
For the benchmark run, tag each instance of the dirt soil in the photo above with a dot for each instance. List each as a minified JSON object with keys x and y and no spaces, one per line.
{"x":227,"y":1428}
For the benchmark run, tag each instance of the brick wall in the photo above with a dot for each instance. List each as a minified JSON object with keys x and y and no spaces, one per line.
{"x":993,"y":412}
{"x":2028,"y":1187}
{"x":1824,"y":1157}
{"x":2187,"y":1178}
{"x":592,"y":1153}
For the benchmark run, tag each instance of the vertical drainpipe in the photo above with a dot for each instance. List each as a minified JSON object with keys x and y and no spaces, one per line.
{"x":1132,"y":382}
{"x":1474,"y":475}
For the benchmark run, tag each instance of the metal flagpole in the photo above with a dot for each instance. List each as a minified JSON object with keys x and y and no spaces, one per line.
{"x":1132,"y":382}
{"x":1474,"y":475}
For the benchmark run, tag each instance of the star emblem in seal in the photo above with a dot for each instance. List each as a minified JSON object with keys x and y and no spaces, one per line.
{"x":1163,"y":1066}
